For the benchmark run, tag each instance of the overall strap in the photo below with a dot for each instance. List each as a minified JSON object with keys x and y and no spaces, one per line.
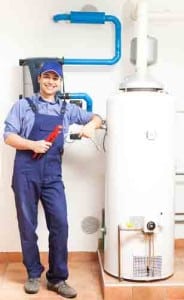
{"x":63,"y":108}
{"x":34,"y":108}
{"x":31,"y":104}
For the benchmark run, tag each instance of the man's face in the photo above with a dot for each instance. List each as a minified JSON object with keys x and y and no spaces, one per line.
{"x":50,"y":83}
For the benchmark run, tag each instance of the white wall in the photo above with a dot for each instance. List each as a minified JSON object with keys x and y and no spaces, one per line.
{"x":27,"y":30}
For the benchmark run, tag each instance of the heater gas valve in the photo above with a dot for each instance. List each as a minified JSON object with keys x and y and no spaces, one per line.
{"x":150,"y":226}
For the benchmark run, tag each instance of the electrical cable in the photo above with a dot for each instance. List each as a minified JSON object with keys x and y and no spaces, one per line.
{"x":96,"y":145}
{"x":105,"y":128}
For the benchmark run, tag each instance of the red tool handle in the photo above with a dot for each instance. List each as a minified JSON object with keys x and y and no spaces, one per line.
{"x":50,"y":138}
{"x":53,"y":135}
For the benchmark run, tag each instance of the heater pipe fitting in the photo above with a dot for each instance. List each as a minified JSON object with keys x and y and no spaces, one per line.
{"x":93,"y":18}
{"x":77,"y":96}
{"x":142,"y":26}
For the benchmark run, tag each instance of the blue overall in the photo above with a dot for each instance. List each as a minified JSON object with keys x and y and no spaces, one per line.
{"x":35,"y":179}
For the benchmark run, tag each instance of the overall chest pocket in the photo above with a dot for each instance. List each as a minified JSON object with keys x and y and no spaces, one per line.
{"x":44,"y":126}
{"x":49,"y":131}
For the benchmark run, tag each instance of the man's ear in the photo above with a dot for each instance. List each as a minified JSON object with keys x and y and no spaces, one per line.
{"x":38,"y":78}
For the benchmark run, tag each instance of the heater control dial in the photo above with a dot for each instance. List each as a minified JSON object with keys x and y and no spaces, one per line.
{"x":151,"y":225}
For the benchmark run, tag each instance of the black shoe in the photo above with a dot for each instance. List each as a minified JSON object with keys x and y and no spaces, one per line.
{"x":32,"y":285}
{"x":62,"y":288}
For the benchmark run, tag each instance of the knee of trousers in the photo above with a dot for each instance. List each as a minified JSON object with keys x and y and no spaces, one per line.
{"x":58,"y":223}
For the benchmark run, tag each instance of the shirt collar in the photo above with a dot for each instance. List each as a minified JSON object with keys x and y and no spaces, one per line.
{"x":45,"y":101}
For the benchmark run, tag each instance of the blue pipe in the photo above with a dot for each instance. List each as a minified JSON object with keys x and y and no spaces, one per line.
{"x":77,"y":96}
{"x":93,"y":18}
{"x":87,"y":17}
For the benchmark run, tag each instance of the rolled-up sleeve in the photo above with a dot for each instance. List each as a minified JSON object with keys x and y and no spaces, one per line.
{"x":12,"y":122}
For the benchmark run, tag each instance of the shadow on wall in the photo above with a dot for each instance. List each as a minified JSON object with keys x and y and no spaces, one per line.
{"x":84,"y":159}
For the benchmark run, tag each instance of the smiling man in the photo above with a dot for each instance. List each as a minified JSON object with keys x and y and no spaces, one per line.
{"x":27,"y":126}
{"x":50,"y":80}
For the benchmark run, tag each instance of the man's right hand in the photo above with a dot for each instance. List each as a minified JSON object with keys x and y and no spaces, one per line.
{"x":41,"y":146}
{"x":21,"y":143}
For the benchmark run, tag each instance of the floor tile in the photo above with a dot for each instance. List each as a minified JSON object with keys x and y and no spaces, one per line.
{"x":82,"y":278}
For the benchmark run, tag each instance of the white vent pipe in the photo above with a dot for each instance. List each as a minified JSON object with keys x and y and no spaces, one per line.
{"x":141,"y":15}
{"x":141,"y":79}
{"x":162,"y":15}
{"x":166,"y":16}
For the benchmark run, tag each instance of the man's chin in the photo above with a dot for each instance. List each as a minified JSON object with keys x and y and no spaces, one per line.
{"x":51,"y":93}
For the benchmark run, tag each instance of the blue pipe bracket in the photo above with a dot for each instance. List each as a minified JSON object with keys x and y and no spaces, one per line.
{"x":93,"y":18}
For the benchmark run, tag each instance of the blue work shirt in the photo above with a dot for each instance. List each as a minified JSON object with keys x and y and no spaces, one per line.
{"x":21,"y":118}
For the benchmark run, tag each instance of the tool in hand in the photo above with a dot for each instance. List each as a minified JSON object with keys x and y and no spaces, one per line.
{"x":50,"y":138}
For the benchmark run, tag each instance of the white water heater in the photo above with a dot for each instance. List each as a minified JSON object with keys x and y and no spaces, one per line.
{"x":140,"y":172}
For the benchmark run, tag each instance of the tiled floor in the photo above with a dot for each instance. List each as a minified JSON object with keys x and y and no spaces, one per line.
{"x":84,"y":277}
{"x":88,"y":277}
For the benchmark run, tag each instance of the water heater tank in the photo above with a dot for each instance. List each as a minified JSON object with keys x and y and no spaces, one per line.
{"x":139,"y":202}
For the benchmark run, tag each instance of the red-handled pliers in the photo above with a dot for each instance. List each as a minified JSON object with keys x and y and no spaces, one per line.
{"x":50,"y":138}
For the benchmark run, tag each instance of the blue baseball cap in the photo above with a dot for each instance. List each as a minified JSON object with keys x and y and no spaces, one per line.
{"x":51,"y":66}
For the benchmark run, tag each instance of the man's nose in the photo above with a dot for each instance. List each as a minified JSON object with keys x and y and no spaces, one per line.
{"x":50,"y":80}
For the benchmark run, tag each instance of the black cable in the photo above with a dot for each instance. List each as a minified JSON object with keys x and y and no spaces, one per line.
{"x":105,"y":128}
{"x":63,"y":86}
{"x":58,"y":94}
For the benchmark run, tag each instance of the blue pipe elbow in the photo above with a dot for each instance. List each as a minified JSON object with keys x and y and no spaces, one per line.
{"x":118,"y":46}
{"x":93,"y":18}
{"x":61,"y":17}
{"x":77,"y":96}
{"x":85,"y":97}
